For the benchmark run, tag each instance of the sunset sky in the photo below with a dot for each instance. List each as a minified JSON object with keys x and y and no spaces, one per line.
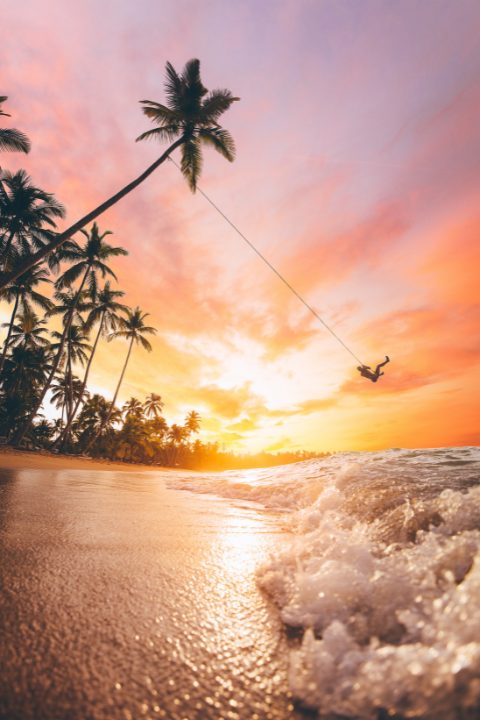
{"x":357,"y":175}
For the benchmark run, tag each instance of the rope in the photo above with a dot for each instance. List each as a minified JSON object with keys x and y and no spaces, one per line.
{"x":274,"y":269}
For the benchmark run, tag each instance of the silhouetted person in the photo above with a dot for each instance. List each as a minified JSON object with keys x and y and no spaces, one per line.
{"x":366,"y":372}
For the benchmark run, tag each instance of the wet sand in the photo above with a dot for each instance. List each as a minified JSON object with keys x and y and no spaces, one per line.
{"x":122,"y":598}
{"x":42,"y":460}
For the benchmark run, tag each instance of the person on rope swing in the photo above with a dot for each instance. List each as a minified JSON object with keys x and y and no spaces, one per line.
{"x":366,"y":371}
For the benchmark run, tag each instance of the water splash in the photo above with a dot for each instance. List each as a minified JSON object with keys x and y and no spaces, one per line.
{"x":381,"y":578}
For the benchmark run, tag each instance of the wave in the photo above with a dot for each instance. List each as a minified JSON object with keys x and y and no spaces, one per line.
{"x":380,"y":578}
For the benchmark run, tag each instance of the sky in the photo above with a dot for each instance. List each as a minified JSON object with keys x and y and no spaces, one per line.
{"x":356,"y":175}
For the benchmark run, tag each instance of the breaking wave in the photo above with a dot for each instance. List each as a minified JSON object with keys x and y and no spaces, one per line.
{"x":380,"y":578}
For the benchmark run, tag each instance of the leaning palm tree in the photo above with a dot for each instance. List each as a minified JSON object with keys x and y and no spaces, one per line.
{"x":27,"y":219}
{"x":11,"y":139}
{"x":131,"y":328}
{"x":188,"y":119}
{"x":153,"y":405}
{"x":106,"y":312}
{"x":24,"y":294}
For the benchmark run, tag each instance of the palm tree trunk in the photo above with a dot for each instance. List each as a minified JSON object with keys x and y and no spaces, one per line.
{"x":69,"y":377}
{"x":19,"y":435}
{"x":9,"y":333}
{"x":65,"y":435}
{"x":109,"y":415}
{"x":61,"y":237}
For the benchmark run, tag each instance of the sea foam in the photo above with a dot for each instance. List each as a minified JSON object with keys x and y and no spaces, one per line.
{"x":380,"y":579}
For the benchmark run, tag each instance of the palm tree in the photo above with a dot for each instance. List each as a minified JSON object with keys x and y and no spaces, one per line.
{"x":153,"y":405}
{"x":189,"y":119}
{"x":131,"y":328}
{"x":133,"y":408}
{"x":11,"y":139}
{"x":88,"y":261}
{"x":23,"y":376}
{"x":64,"y":388}
{"x":22,"y":292}
{"x":77,"y":351}
{"x":25,"y":211}
{"x":29,"y":331}
{"x":95,"y":417}
{"x":176,"y":434}
{"x":106,"y":311}
{"x":192,"y":422}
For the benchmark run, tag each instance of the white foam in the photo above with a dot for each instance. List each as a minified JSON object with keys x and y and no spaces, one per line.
{"x":383,"y":576}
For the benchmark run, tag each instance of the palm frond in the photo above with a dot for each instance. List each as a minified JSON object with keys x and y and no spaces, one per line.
{"x":192,"y":80}
{"x":159,"y":113}
{"x":173,"y":86}
{"x":144,"y":343}
{"x":15,"y":140}
{"x":70,"y":276}
{"x":216,"y":103}
{"x":191,"y":163}
{"x":168,"y":133}
{"x":221,"y":140}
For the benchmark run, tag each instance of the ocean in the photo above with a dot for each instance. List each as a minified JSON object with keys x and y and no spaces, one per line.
{"x":377,"y":582}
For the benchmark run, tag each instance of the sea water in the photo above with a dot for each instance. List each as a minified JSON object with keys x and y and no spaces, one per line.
{"x":379,"y":582}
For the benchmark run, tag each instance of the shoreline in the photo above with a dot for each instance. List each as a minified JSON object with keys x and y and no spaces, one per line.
{"x":11,"y":459}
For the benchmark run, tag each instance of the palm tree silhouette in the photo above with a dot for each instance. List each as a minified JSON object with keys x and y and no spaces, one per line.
{"x":153,"y":405}
{"x":77,"y":351}
{"x":88,"y":260}
{"x":133,"y":408}
{"x":25,"y":211}
{"x":95,"y":417}
{"x":192,"y":422}
{"x":106,"y":311}
{"x":189,"y":119}
{"x":131,"y":328}
{"x":22,"y":292}
{"x":29,"y":331}
{"x":11,"y":139}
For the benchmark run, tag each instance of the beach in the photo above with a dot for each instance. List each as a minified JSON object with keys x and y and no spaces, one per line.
{"x":42,"y":460}
{"x":123,"y":598}
{"x":347,"y":586}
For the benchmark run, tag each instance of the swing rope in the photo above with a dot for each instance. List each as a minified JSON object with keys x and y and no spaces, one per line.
{"x":273,"y":269}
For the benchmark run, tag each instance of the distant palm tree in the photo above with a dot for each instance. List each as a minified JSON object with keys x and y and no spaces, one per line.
{"x":27,"y":219}
{"x":23,"y":293}
{"x":176,"y":434}
{"x":64,"y":388}
{"x":192,"y":422}
{"x":11,"y":139}
{"x":106,"y":311}
{"x":158,"y":428}
{"x":131,"y":328}
{"x":133,"y":408}
{"x":77,"y":351}
{"x":189,"y":119}
{"x":95,"y":417}
{"x":153,"y":405}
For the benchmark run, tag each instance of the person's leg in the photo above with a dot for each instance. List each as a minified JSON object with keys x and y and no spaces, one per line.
{"x":380,"y":365}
